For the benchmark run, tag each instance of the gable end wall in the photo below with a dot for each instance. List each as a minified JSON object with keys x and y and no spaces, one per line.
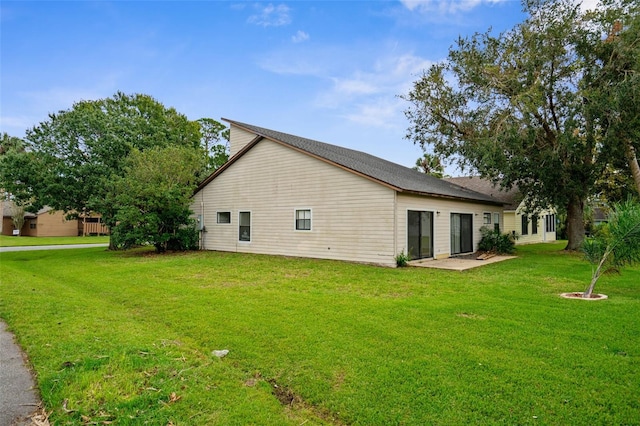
{"x":352,"y":217}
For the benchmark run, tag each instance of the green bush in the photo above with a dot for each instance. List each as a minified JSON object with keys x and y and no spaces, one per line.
{"x":185,"y":238}
{"x":402,"y":259}
{"x":493,"y":241}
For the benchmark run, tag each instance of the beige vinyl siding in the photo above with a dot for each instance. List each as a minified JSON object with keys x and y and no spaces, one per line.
{"x":509,"y":220}
{"x":541,"y":236}
{"x":441,"y":221}
{"x":238,"y":139}
{"x":352,"y":217}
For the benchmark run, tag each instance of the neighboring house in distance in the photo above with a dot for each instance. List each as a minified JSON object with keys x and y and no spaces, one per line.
{"x":530,"y":228}
{"x":287,"y":195}
{"x":50,"y":223}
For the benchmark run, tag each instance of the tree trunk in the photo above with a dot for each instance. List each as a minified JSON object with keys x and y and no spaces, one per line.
{"x":112,"y":244}
{"x":633,"y":165}
{"x":575,"y":223}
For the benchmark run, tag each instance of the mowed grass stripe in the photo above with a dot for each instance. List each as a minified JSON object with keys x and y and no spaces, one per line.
{"x":116,"y":334}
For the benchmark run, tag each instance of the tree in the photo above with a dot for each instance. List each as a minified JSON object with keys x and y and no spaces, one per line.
{"x":10,"y":144}
{"x":154,"y":196}
{"x":215,"y":142}
{"x":612,"y":85}
{"x":616,"y":244}
{"x":12,"y":189}
{"x":80,"y":152}
{"x":17,"y":217}
{"x":430,"y":164}
{"x":510,"y":108}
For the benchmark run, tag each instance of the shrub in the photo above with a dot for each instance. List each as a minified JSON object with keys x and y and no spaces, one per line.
{"x":493,"y":241}
{"x":402,"y":259}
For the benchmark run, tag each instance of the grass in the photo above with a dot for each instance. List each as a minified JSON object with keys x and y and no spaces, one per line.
{"x":128,"y":338}
{"x":11,"y":241}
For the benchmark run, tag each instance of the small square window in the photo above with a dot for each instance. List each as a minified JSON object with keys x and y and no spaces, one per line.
{"x":487,"y":219}
{"x":303,"y":220}
{"x":224,"y":217}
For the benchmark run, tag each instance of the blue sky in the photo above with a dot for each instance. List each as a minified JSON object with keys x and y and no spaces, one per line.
{"x":329,"y":70}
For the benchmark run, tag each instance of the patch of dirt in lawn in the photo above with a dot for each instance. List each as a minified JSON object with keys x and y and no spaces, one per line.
{"x":283,"y":393}
{"x":295,"y":406}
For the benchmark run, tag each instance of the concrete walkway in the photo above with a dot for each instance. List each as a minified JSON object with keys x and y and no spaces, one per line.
{"x":19,"y":401}
{"x":52,"y":247}
{"x":457,"y":264}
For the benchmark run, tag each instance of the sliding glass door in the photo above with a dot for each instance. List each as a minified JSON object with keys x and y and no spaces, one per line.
{"x":461,"y":233}
{"x":420,"y":234}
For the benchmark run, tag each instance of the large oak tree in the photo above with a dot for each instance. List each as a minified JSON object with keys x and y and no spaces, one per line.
{"x":612,"y":88}
{"x":80,"y":152}
{"x":514,"y":107}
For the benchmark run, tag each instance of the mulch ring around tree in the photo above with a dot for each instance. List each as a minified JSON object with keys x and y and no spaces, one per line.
{"x":579,"y":295}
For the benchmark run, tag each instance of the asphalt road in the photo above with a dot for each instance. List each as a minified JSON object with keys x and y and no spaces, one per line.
{"x":54,"y":247}
{"x":18,"y":398}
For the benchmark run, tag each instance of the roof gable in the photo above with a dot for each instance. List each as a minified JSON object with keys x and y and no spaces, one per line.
{"x":400,"y":178}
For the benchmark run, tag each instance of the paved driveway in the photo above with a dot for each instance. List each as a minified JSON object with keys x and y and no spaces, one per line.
{"x":53,"y":247}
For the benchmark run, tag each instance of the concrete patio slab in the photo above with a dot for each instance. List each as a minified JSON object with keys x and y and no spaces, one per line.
{"x":457,"y":263}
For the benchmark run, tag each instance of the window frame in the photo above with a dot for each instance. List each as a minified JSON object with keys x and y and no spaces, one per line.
{"x":524,"y":225}
{"x":484,"y":218}
{"x":218,"y":217}
{"x":296,"y":220}
{"x":240,"y":226}
{"x":550,"y":223}
{"x":534,"y":225}
{"x":496,"y":222}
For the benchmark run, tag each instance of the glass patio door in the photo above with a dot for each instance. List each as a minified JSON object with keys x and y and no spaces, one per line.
{"x":420,"y":234}
{"x":461,"y":233}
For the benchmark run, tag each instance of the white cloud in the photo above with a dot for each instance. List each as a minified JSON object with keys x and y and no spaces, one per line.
{"x":371,"y":97}
{"x":349,"y":83}
{"x":445,"y":6}
{"x":300,"y":36}
{"x":356,"y":85}
{"x":270,"y":15}
{"x":382,"y":112}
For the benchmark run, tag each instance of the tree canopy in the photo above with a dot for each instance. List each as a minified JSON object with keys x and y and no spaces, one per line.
{"x":612,"y":92}
{"x":215,"y":142}
{"x":74,"y":161}
{"x":153,"y":198}
{"x":515,"y":108}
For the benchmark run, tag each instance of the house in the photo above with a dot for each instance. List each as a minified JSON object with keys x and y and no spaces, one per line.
{"x":50,"y":223}
{"x":536,"y":228}
{"x":287,"y":195}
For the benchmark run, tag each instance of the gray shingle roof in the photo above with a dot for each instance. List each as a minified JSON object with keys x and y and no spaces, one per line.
{"x":399,"y":177}
{"x":510,"y":197}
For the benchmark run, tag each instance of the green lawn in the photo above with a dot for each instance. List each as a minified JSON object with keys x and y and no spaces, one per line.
{"x":11,"y":241}
{"x":128,"y":338}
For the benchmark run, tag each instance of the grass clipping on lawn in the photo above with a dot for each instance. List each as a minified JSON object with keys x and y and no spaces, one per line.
{"x":128,"y":338}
